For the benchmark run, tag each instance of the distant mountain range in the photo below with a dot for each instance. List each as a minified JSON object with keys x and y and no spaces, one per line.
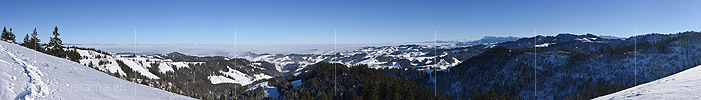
{"x":483,"y":40}
{"x":214,"y":73}
{"x":566,"y":66}
{"x":612,"y":37}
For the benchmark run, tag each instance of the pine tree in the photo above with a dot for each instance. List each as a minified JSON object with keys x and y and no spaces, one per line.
{"x":11,"y":36}
{"x":25,"y":43}
{"x":34,"y":41}
{"x":55,"y":46}
{"x":5,"y":35}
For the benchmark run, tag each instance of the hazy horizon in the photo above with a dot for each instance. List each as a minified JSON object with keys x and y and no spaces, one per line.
{"x":228,"y":50}
{"x":397,"y":43}
{"x":315,"y":22}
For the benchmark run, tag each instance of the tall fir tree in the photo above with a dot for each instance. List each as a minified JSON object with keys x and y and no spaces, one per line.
{"x":34,"y":41}
{"x":26,"y":41}
{"x":55,"y":46}
{"x":11,"y":36}
{"x":5,"y":35}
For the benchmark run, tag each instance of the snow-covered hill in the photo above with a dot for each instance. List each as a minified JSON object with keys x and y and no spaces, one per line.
{"x":163,"y":65}
{"x":401,"y":57}
{"x":685,"y":85}
{"x":27,"y":75}
{"x":570,"y":42}
{"x":563,"y":71}
{"x":412,"y":55}
{"x":203,"y":77}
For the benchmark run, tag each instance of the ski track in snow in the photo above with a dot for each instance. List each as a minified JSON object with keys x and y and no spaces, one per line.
{"x":36,"y":87}
{"x":26,"y":74}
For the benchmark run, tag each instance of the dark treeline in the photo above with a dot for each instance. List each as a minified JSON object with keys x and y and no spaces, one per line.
{"x":351,"y":83}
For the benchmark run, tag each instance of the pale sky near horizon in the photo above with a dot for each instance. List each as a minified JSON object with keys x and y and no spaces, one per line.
{"x":356,"y":21}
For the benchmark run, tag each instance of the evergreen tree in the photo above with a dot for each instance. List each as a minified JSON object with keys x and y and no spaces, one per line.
{"x":25,"y":43}
{"x":34,"y":41}
{"x":55,"y":46}
{"x":5,"y":35}
{"x":11,"y":36}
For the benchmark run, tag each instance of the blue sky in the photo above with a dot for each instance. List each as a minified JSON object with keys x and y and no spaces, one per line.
{"x":356,"y":21}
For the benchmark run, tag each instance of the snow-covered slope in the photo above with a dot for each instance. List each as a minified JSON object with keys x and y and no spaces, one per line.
{"x":685,"y":85}
{"x":568,"y":72}
{"x":140,"y":63}
{"x":27,"y":74}
{"x":418,"y":57}
{"x":171,"y":62}
{"x":203,"y":77}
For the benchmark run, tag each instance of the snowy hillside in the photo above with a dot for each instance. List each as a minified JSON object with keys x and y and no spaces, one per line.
{"x":27,"y":74}
{"x":401,"y":57}
{"x":580,"y":43}
{"x":563,"y":71}
{"x":202,"y":77}
{"x":685,"y":85}
{"x":166,"y":64}
{"x":412,"y":55}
